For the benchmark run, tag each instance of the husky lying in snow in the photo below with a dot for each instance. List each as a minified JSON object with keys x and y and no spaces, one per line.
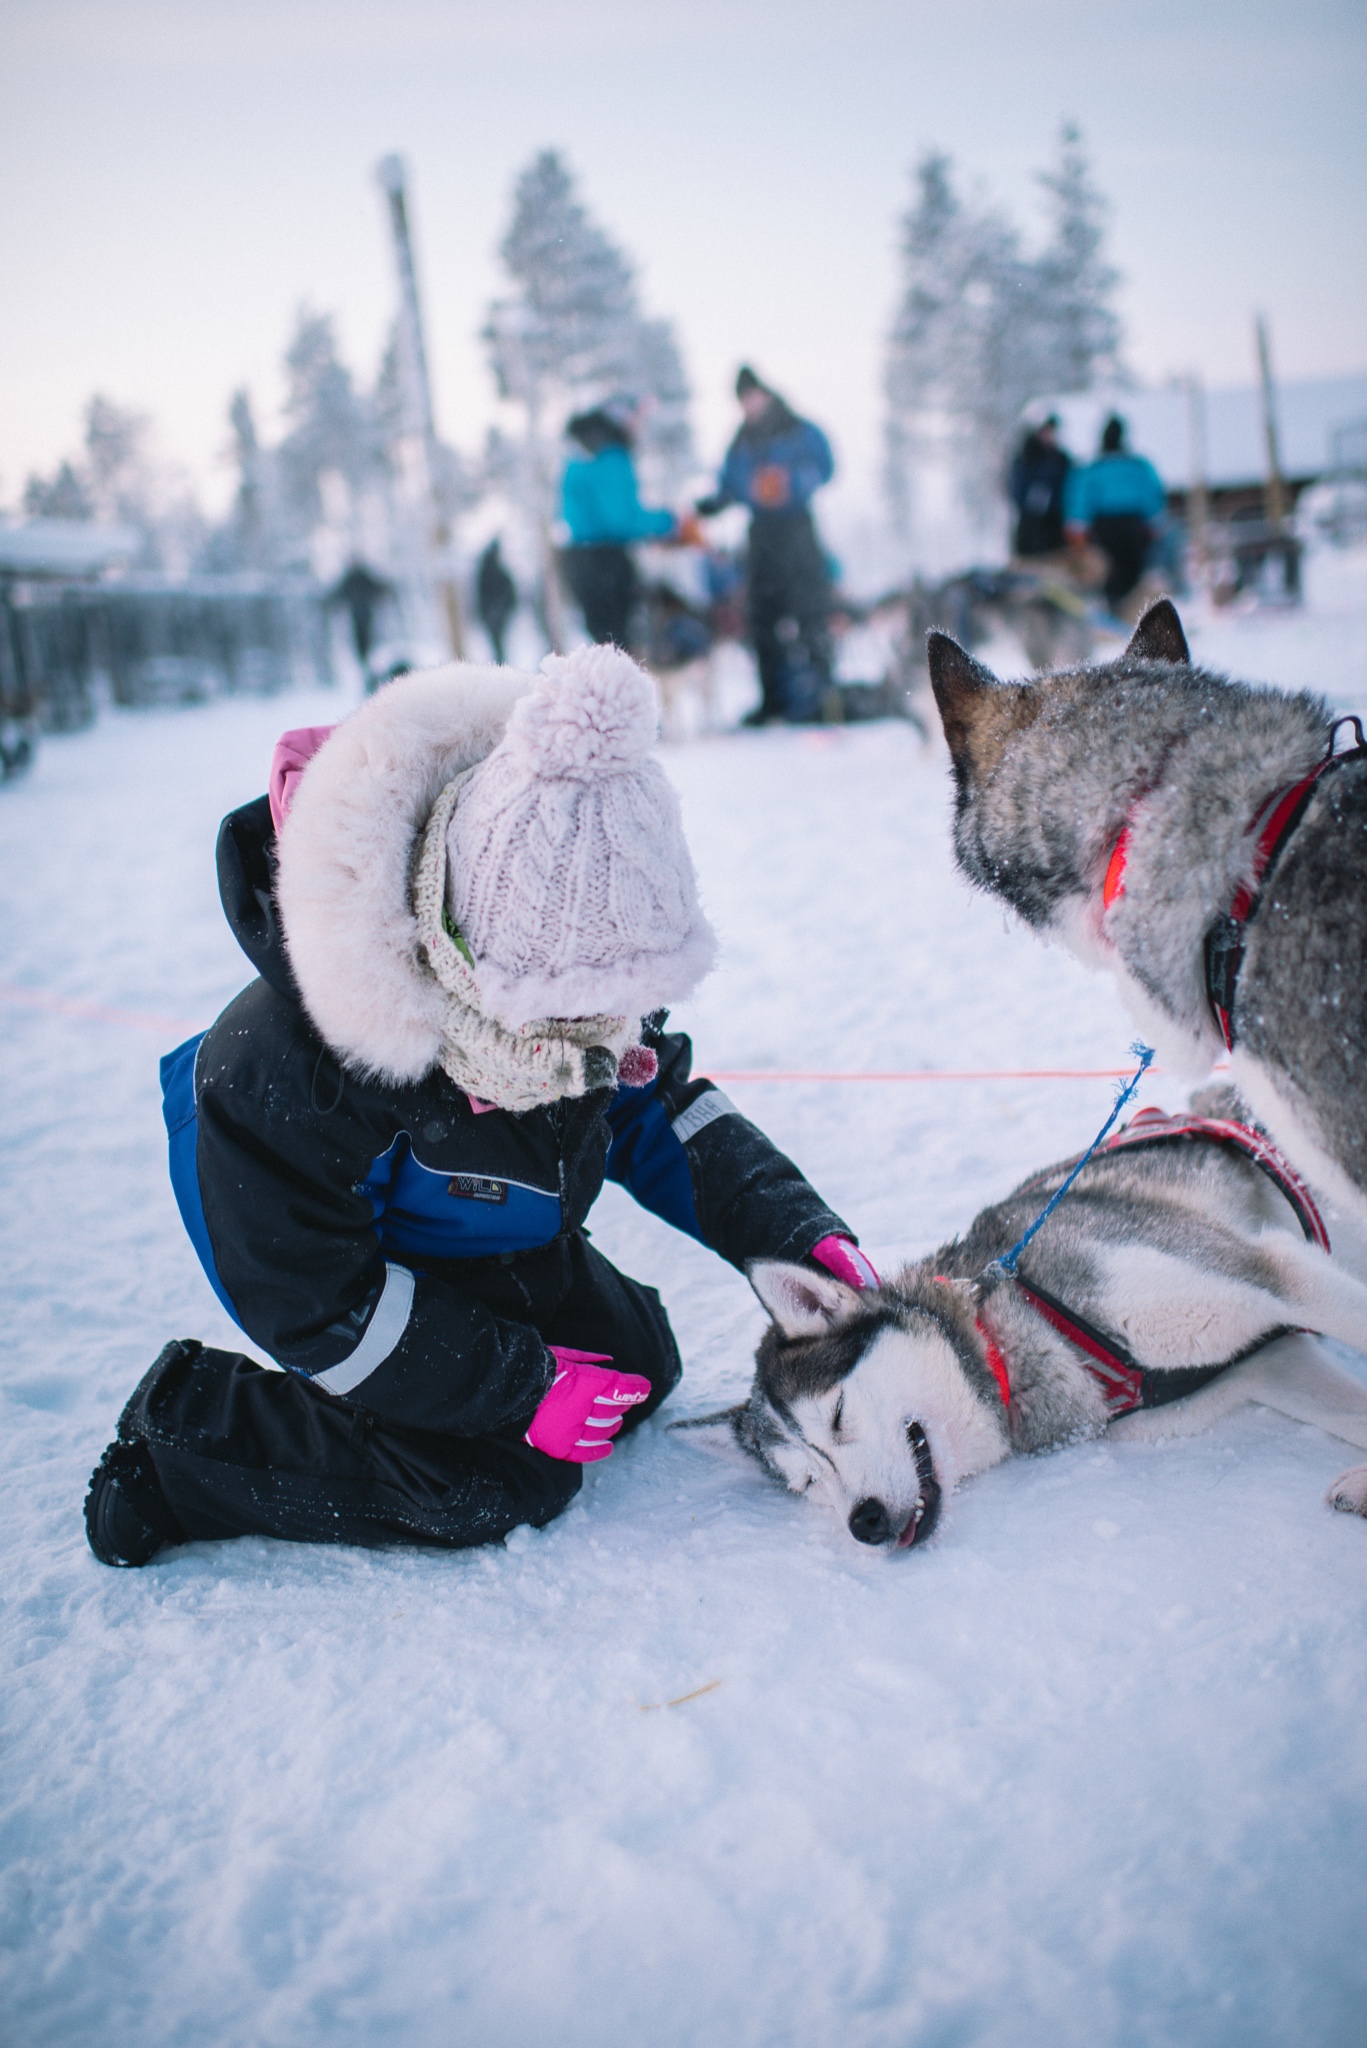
{"x":1184,"y":1248}
{"x":1134,"y":812}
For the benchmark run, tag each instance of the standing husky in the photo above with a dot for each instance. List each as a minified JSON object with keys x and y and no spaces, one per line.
{"x":1192,"y":835}
{"x":1183,"y":1248}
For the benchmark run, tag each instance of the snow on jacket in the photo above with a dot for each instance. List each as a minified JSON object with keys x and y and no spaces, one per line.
{"x":1113,"y":484}
{"x":775,"y":464}
{"x":344,"y":1203}
{"x":599,"y":500}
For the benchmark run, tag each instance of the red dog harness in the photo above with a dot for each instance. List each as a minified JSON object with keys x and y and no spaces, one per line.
{"x":1125,"y":1383}
{"x":1270,"y":830}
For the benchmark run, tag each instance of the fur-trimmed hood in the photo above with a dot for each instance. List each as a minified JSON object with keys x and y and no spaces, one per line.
{"x":345,"y":856}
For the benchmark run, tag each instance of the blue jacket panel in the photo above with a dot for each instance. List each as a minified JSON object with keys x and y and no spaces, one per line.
{"x":600,"y":503}
{"x":1113,"y":484}
{"x":779,"y":472}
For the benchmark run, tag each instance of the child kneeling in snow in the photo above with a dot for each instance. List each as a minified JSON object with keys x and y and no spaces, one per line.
{"x":385,"y":1149}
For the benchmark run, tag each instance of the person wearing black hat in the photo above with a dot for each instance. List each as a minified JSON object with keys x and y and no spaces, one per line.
{"x":774,"y":465}
{"x":1035,"y":485}
{"x":604,"y":513}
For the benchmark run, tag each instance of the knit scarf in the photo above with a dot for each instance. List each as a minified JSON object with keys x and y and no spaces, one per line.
{"x":537,"y":1063}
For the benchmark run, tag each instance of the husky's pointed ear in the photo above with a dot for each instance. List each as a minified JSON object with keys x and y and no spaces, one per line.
{"x":1159,"y":635}
{"x":978,"y":713}
{"x":802,"y":1303}
{"x":959,"y":683}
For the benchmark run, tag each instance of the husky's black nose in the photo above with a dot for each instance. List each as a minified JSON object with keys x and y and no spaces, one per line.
{"x":870,"y":1522}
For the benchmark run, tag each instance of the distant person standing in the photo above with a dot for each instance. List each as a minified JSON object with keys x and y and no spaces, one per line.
{"x":362,"y":593}
{"x":775,"y":465}
{"x":495,"y":597}
{"x":1035,"y":485}
{"x":602,"y":508}
{"x":1115,"y":501}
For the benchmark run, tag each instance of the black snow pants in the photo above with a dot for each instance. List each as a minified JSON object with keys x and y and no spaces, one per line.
{"x":1123,"y":538}
{"x":788,"y":599}
{"x":238,"y":1449}
{"x":604,"y":584}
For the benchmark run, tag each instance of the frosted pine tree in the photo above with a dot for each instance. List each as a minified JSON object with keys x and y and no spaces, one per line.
{"x":1073,"y":277}
{"x":984,"y":327}
{"x":569,"y":335}
{"x":330,"y":431}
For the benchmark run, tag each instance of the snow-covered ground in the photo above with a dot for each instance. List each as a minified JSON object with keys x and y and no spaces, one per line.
{"x":1090,"y":1770}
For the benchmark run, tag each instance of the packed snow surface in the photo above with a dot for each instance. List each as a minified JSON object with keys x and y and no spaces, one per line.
{"x":689,"y":1766}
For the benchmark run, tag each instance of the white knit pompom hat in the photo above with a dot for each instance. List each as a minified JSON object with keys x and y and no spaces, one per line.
{"x":567,"y":871}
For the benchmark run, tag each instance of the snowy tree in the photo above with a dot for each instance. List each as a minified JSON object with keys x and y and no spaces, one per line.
{"x":1074,"y":280}
{"x":330,"y":427}
{"x":117,"y":466}
{"x":63,"y":495}
{"x":984,"y":326}
{"x":570,"y":334}
{"x":116,"y":480}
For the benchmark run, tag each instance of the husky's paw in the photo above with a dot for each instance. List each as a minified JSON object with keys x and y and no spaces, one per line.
{"x":1349,"y":1491}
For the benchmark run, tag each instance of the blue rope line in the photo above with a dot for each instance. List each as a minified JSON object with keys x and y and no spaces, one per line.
{"x":1007,"y":1263}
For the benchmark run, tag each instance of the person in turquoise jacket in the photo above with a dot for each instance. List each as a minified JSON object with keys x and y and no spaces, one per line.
{"x":1116,"y":502}
{"x":601,"y":506}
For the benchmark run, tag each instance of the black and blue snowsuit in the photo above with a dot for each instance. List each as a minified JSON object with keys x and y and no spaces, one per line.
{"x":407,"y":1260}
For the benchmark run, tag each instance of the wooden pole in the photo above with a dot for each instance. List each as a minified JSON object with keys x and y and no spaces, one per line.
{"x":1274,"y":491}
{"x":391,"y":174}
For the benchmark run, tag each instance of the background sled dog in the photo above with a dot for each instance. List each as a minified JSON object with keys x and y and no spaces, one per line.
{"x":1173,"y":1261}
{"x":1187,"y":833}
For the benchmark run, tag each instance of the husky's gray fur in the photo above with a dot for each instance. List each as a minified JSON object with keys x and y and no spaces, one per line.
{"x":1049,"y":772}
{"x":881,"y":1402}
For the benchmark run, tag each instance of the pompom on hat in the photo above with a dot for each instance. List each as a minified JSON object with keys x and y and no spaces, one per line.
{"x":568,"y":876}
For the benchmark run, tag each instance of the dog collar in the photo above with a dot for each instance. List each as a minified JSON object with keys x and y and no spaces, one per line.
{"x":1114,"y":884}
{"x":996,"y":1363}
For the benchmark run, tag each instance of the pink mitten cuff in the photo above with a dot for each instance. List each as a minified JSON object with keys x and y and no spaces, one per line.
{"x":584,"y":1407}
{"x":842,"y":1256}
{"x":293,"y":752}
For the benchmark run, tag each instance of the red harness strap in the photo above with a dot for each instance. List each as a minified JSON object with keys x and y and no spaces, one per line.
{"x":1224,"y":945}
{"x":1121,"y":1378}
{"x":1125,"y":1384}
{"x":1154,"y":1127}
{"x":1270,"y":830}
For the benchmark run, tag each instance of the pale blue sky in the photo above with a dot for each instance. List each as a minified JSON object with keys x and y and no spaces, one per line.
{"x":176,"y":175}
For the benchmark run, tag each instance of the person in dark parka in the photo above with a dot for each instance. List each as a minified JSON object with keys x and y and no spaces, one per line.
{"x":467,"y":906}
{"x":361,"y":593}
{"x":1035,"y":485}
{"x":495,"y":597}
{"x":775,"y":465}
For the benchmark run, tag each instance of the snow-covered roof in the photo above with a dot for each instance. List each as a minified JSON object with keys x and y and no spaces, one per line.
{"x":65,"y":547}
{"x":1308,"y":410}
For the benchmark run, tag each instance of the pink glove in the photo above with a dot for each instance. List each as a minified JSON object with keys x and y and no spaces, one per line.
{"x":584,"y":1407}
{"x":842,"y":1256}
